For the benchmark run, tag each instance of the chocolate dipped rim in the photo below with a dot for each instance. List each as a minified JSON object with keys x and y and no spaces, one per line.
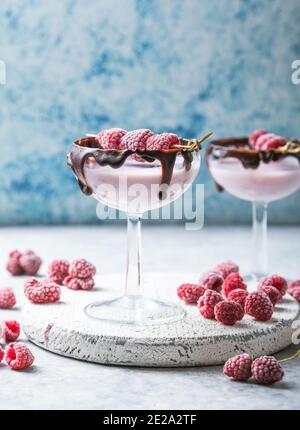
{"x":240,"y":148}
{"x":88,"y":147}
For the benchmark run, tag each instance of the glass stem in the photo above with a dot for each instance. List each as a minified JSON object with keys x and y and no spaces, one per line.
{"x":260,"y":228}
{"x":133,"y":286}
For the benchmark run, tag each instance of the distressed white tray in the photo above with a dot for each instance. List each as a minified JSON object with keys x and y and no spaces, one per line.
{"x":194,"y":341}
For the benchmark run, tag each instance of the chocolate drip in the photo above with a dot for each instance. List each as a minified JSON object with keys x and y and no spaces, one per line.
{"x":88,"y":147}
{"x":239,"y":148}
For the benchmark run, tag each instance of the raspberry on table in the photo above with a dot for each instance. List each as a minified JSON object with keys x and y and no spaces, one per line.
{"x":267,"y":370}
{"x":135,"y":139}
{"x":275,"y":281}
{"x":12,"y":330}
{"x":212,"y":281}
{"x":226,"y":268}
{"x":13,"y":266}
{"x":259,"y":306}
{"x":58,"y":270}
{"x":190,"y":293}
{"x":30,"y":263}
{"x":42,"y":292}
{"x":110,"y":139}
{"x":207,"y":303}
{"x":18,"y":356}
{"x":82,"y":269}
{"x":2,"y":353}
{"x":158,"y":142}
{"x":238,"y":367}
{"x":295,"y":292}
{"x":7,"y":298}
{"x":233,"y":282}
{"x":228,"y":313}
{"x":255,"y":135}
{"x":239,"y":296}
{"x":272,"y":292}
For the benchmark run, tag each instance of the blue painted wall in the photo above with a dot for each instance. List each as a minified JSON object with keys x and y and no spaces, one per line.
{"x":188,"y":66}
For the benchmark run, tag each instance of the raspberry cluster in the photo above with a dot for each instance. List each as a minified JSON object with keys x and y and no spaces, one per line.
{"x":77,"y":276}
{"x":23,"y":263}
{"x":265,"y":141}
{"x":264,"y":370}
{"x":142,"y":139}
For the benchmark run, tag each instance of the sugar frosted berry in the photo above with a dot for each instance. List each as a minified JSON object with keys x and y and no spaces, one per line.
{"x":212,"y":281}
{"x":275,"y":281}
{"x":7,"y":298}
{"x":82,"y":269}
{"x":295,"y":292}
{"x":272,"y":292}
{"x":238,"y":367}
{"x":232,"y":282}
{"x":228,"y":313}
{"x":239,"y":296}
{"x":267,"y":370}
{"x":13,"y":264}
{"x":292,"y":285}
{"x":12,"y":330}
{"x":207,"y":303}
{"x":157,"y":142}
{"x":58,"y":270}
{"x":18,"y":356}
{"x":111,"y":138}
{"x":190,"y":293}
{"x":226,"y":267}
{"x":135,"y":139}
{"x":31,"y":263}
{"x":255,"y":135}
{"x":259,"y":306}
{"x":42,"y":292}
{"x":79,"y":284}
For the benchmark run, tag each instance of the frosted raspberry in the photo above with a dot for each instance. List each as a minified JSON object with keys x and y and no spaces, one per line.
{"x":135,"y":139}
{"x":212,"y":281}
{"x":295,"y":292}
{"x":110,"y":139}
{"x":82,"y":269}
{"x":42,"y":291}
{"x":7,"y":298}
{"x":31,"y":263}
{"x":239,"y":296}
{"x":267,"y":370}
{"x":207,"y":303}
{"x":238,"y":367}
{"x":233,"y":282}
{"x":18,"y":356}
{"x":2,"y":353}
{"x":13,"y":264}
{"x":157,"y":142}
{"x":226,"y":267}
{"x":58,"y":270}
{"x":14,"y":254}
{"x":292,"y":285}
{"x":259,"y":306}
{"x":12,"y":330}
{"x":275,"y":281}
{"x":272,"y":292}
{"x":269,"y":141}
{"x":255,"y":135}
{"x":79,"y":284}
{"x":190,"y":293}
{"x":228,"y":313}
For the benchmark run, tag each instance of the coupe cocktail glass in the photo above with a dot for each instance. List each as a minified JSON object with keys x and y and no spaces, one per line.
{"x":257,"y":176}
{"x":135,"y":182}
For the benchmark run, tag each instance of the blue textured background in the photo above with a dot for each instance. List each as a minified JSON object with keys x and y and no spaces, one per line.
{"x":188,"y":66}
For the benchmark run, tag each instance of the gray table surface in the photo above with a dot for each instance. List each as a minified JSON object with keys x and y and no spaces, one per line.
{"x":60,"y":383}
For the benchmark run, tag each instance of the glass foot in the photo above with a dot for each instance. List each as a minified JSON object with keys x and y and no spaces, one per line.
{"x":135,"y":310}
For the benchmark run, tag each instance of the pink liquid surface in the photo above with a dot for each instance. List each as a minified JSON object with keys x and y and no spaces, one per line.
{"x":134,"y":187}
{"x":269,"y":182}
